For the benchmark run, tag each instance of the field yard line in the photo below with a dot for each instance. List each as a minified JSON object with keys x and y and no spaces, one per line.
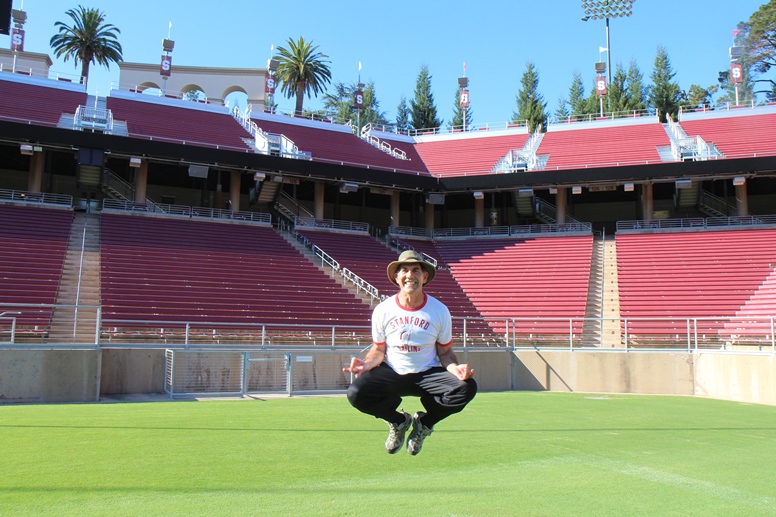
{"x":714,"y":490}
{"x":727,"y":493}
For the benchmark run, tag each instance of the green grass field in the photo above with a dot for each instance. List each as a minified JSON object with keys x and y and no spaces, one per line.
{"x":511,"y":453}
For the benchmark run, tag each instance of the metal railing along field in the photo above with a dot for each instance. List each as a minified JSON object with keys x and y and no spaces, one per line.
{"x":79,"y":326}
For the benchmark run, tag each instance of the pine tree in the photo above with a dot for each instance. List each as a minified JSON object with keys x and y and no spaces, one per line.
{"x":637,"y":92}
{"x":664,"y":95}
{"x":562,"y":112}
{"x":423,"y":110}
{"x":402,"y":116}
{"x":530,"y":103}
{"x":577,"y":96}
{"x":616,"y":100}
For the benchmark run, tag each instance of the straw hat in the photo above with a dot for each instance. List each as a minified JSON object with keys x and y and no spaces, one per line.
{"x":410,"y":257}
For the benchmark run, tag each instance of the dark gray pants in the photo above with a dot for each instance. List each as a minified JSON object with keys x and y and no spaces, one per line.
{"x":379,"y":392}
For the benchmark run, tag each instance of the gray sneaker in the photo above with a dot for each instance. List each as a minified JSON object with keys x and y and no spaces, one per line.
{"x":396,"y":433}
{"x":418,"y":434}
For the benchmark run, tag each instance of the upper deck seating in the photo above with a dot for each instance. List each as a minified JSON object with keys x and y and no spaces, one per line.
{"x":737,"y":136}
{"x":33,"y":244}
{"x":467,"y":154}
{"x":710,"y":274}
{"x":40,"y":105}
{"x":603,"y":146}
{"x":529,"y":279}
{"x":335,"y":144}
{"x":179,"y":124}
{"x":165,"y":269}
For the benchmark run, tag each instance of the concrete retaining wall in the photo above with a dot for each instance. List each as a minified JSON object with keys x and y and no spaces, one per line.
{"x":38,"y":376}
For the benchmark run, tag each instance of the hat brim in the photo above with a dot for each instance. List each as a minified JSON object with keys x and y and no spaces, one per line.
{"x":425,"y":266}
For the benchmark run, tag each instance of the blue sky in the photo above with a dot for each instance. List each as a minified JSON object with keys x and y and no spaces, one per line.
{"x":394,"y":39}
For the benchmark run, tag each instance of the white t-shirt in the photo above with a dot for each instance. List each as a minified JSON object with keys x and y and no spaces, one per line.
{"x":410,"y":336}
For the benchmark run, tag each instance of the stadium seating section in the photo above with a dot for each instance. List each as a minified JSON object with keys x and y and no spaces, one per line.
{"x":708,"y":274}
{"x":736,"y":136}
{"x":180,"y":124}
{"x":467,"y":156}
{"x":524,"y":278}
{"x":337,"y":144}
{"x":39,"y":104}
{"x":33,"y":244}
{"x":605,"y":146}
{"x":164,"y":269}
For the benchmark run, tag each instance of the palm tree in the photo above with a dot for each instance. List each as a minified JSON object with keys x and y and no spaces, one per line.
{"x":89,"y":40}
{"x":302,"y":70}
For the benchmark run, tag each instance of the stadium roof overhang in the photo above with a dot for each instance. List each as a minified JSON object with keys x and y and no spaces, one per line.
{"x":158,"y":151}
{"x":118,"y":146}
{"x":653,"y":173}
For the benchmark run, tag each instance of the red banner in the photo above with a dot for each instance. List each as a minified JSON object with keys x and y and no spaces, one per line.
{"x":17,"y":40}
{"x":358,"y":99}
{"x":269,"y":85}
{"x":736,"y":73}
{"x":600,"y":86}
{"x":166,"y":67}
{"x":464,"y":101}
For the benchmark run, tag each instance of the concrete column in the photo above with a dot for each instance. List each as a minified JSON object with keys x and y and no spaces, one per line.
{"x":429,"y":216}
{"x":742,"y":201}
{"x":395,"y":207}
{"x":141,"y":181}
{"x":234,"y":190}
{"x":560,"y":204}
{"x":219,"y":198}
{"x":479,"y":213}
{"x":35,"y":177}
{"x":319,"y":200}
{"x":647,"y":202}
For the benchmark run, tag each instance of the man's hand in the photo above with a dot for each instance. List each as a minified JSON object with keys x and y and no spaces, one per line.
{"x":462,"y":371}
{"x":357,"y":367}
{"x":373,"y":358}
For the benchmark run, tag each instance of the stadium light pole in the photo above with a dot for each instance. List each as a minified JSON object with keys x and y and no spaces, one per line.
{"x":605,"y":9}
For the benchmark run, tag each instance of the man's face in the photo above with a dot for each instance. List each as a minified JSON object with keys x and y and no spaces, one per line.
{"x":411,"y":277}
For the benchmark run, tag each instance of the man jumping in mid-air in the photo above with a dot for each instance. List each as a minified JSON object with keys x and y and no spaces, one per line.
{"x":411,"y":355}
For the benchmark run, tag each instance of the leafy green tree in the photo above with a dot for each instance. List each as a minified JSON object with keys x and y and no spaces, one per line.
{"x":88,"y":40}
{"x":698,"y":96}
{"x":422,"y":107}
{"x":302,"y":70}
{"x":664,"y":94}
{"x":196,"y":95}
{"x":403,"y":116}
{"x":318,"y":114}
{"x":761,"y":43}
{"x":340,"y":106}
{"x":459,"y":114}
{"x":530,"y":103}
